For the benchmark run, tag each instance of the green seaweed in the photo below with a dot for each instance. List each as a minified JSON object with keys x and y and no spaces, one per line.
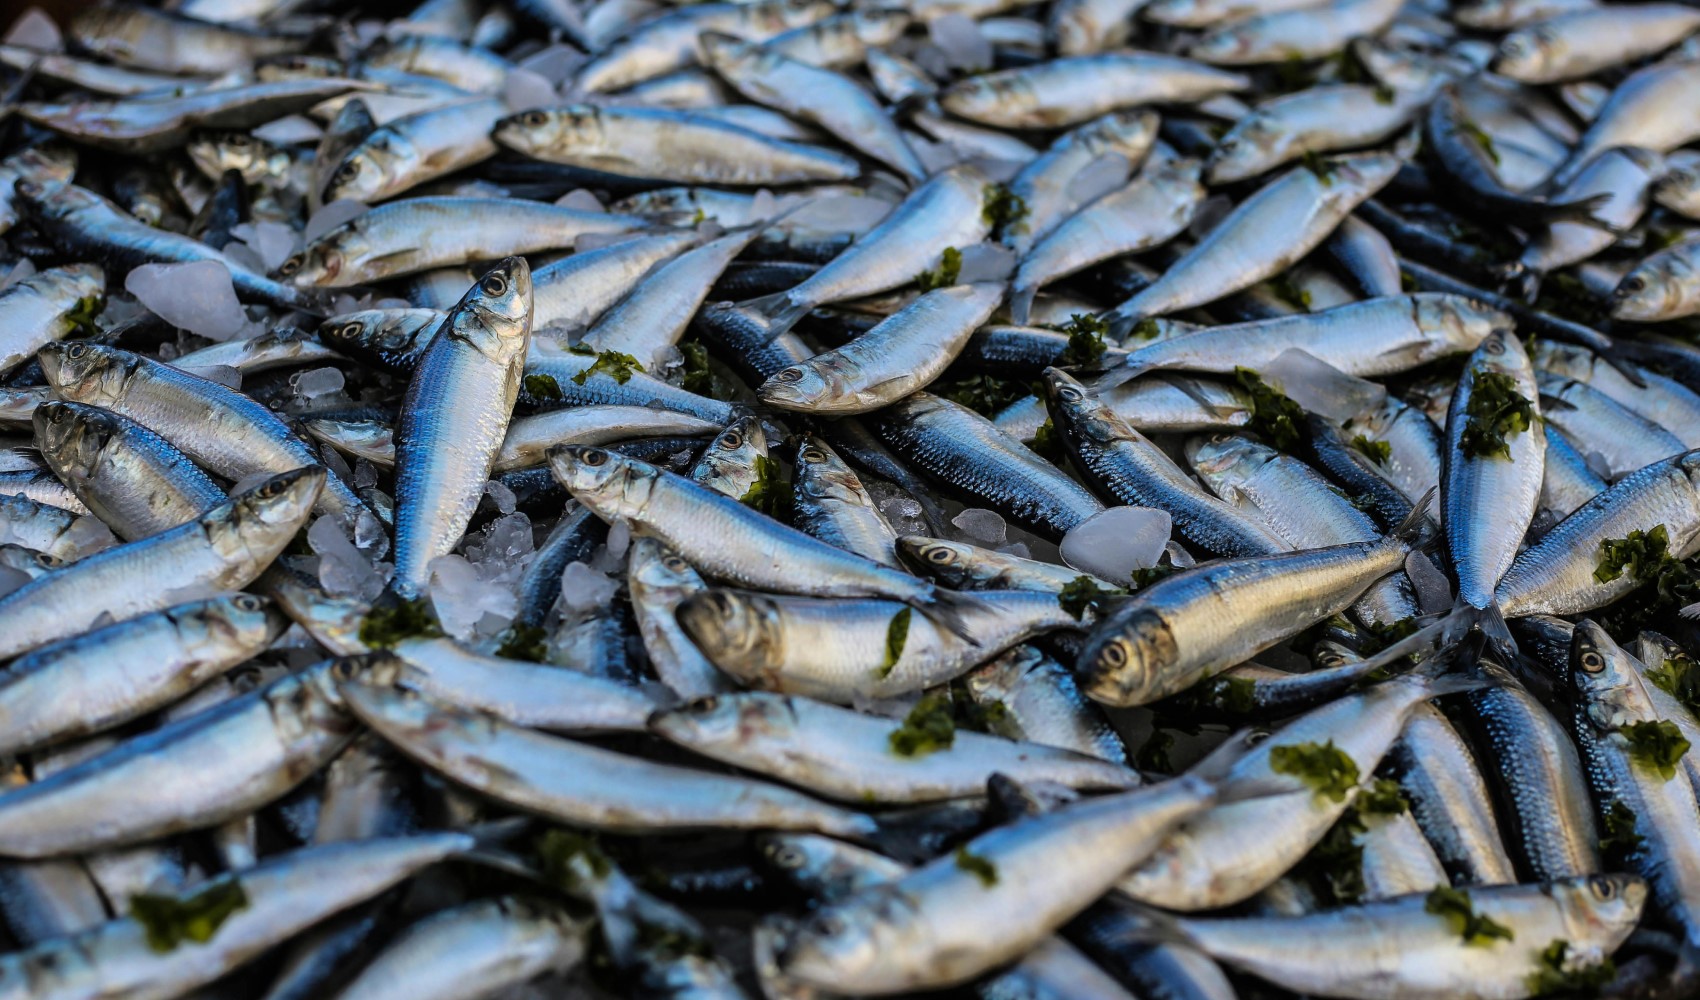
{"x":169,"y":920}
{"x":1458,"y":910}
{"x":929,"y":726}
{"x":388,"y":624}
{"x":1328,"y":770}
{"x":1496,"y":411}
{"x":943,"y":276}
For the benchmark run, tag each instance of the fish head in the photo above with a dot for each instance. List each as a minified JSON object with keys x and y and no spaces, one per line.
{"x":380,"y":668}
{"x":1681,"y":179}
{"x":1127,"y":133}
{"x":1182,"y":13}
{"x":321,"y":262}
{"x":989,"y":92}
{"x":996,"y":681}
{"x":1654,"y":289}
{"x":52,"y":199}
{"x":1605,"y":676}
{"x":216,"y":150}
{"x":951,"y":563}
{"x":1226,"y":459}
{"x":727,"y":720}
{"x":1599,"y":908}
{"x":577,"y":126}
{"x":86,"y":283}
{"x":1529,"y":54}
{"x":1245,"y":151}
{"x":803,"y":384}
{"x":879,"y":25}
{"x":1126,"y":660}
{"x":372,"y":330}
{"x":248,"y":621}
{"x":495,"y":314}
{"x":840,"y":943}
{"x":738,"y":631}
{"x":778,"y":15}
{"x":371,"y":170}
{"x":1079,"y":411}
{"x":1225,"y":46}
{"x":736,"y":448}
{"x":607,"y":482}
{"x":808,"y":860}
{"x":74,"y":435}
{"x":728,"y":53}
{"x":270,"y":513}
{"x":112,"y":32}
{"x":1458,"y":322}
{"x":87,"y":373}
{"x":822,"y":474}
{"x":653,"y":565}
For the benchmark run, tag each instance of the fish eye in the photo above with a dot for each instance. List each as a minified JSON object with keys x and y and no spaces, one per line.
{"x":676,"y":563}
{"x":1114,"y":655}
{"x":347,"y":172}
{"x":76,"y":351}
{"x":291,"y":265}
{"x":593,"y":458}
{"x":1069,"y":394}
{"x":1604,"y":888}
{"x":939,"y":555}
{"x":1634,"y":283}
{"x":789,"y":375}
{"x":348,"y":331}
{"x":534,"y":119}
{"x":494,"y":285}
{"x":730,"y":441}
{"x":46,"y":561}
{"x":813,"y":455}
{"x":1495,"y":346}
{"x":786,"y":856}
{"x":248,"y":602}
{"x":271,"y":489}
{"x":345,"y":670}
{"x":1593,"y":662}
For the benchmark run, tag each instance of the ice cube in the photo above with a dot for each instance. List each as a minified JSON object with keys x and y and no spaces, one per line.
{"x":1104,"y":174}
{"x":525,"y":90}
{"x":463,"y":598}
{"x":289,"y":130}
{"x":1434,"y":590}
{"x":986,"y":262}
{"x":243,"y":256}
{"x":1113,"y":543}
{"x":21,"y":270}
{"x":582,"y":200}
{"x":762,"y":206}
{"x":501,"y":496}
{"x":331,"y":216}
{"x":35,"y":30}
{"x":556,"y":64}
{"x":1179,"y":557}
{"x":274,"y":242}
{"x":619,"y":538}
{"x":370,"y":536}
{"x":1321,"y":388}
{"x":904,"y":514}
{"x":585,"y":589}
{"x":963,"y":43}
{"x":196,"y":296}
{"x":313,"y":383}
{"x":981,"y":527}
{"x":343,"y":568}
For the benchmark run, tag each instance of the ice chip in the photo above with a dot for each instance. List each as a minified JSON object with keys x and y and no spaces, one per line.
{"x":1179,"y":557}
{"x":525,"y":90}
{"x":224,"y":375}
{"x":244,"y":256}
{"x":1434,"y":590}
{"x":313,"y":383}
{"x":619,"y":538}
{"x":1104,"y":174}
{"x":331,"y":216}
{"x":986,"y":262}
{"x":343,"y":568}
{"x":981,"y":527}
{"x":289,"y":130}
{"x":463,"y":597}
{"x":196,"y":296}
{"x":501,"y":496}
{"x":762,"y":206}
{"x":1113,"y":543}
{"x":585,"y":589}
{"x":273,"y":242}
{"x":88,"y":535}
{"x":35,"y":30}
{"x":964,"y":46}
{"x":582,"y":200}
{"x":1321,"y":388}
{"x":21,"y":270}
{"x":370,"y":536}
{"x":556,"y":64}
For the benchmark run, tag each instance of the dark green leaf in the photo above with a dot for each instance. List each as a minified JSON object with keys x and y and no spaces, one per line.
{"x":1327,"y":769}
{"x":1657,"y":745}
{"x":1083,"y":592}
{"x":1285,"y":290}
{"x":943,"y":276}
{"x":1378,"y":451}
{"x":1085,"y":341}
{"x":1273,"y":415}
{"x":896,"y":637}
{"x":542,"y":387}
{"x":615,"y":365}
{"x":1455,"y":905}
{"x":569,"y":859}
{"x":1495,"y":412}
{"x":525,"y":642}
{"x":929,"y":726}
{"x":1555,"y":973}
{"x":195,"y":916}
{"x":1383,"y":797}
{"x":1003,"y":210}
{"x":389,"y":624}
{"x":977,"y":866}
{"x":771,"y":493}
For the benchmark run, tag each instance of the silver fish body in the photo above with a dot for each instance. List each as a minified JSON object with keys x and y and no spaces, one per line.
{"x":834,"y":506}
{"x":1071,"y":90}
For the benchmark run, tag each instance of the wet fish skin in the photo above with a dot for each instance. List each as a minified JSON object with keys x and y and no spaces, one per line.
{"x":223,"y":549}
{"x":1042,"y":703}
{"x":156,"y":40}
{"x":455,"y":416}
{"x":488,"y":944}
{"x":39,"y":309}
{"x":102,"y":678}
{"x":970,"y":567}
{"x":230,"y":433}
{"x":1449,"y":798}
{"x":833,"y":505}
{"x":414,"y":149}
{"x":659,"y":581}
{"x":1070,"y":90}
{"x":540,"y":696}
{"x":670,"y":42}
{"x":958,"y":446}
{"x":1580,"y":43}
{"x":130,"y":477}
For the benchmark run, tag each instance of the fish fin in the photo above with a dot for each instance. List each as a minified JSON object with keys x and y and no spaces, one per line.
{"x":949,"y":608}
{"x":1188,"y":388}
{"x":1120,"y":324}
{"x":1691,"y":612}
{"x":1138,"y":924}
{"x":1525,"y":279}
{"x":1216,"y":764}
{"x":1582,"y":212}
{"x":1121,"y":374}
{"x":1021,"y":303}
{"x":779,"y":312}
{"x":1415,"y":529}
{"x":1627,"y":369}
{"x":1466,"y":618}
{"x":917,"y":834}
{"x":1013,"y":800}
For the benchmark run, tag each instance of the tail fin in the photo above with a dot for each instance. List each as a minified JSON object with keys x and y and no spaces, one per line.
{"x":1121,"y":324}
{"x":1414,"y":529}
{"x":1121,"y":374}
{"x":1466,"y":617}
{"x":950,"y":609}
{"x":1021,"y":303}
{"x":1582,"y":211}
{"x":1131,"y":923}
{"x":1525,"y":279}
{"x":779,"y":311}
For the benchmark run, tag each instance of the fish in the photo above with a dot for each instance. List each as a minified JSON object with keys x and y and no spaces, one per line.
{"x":445,"y":451}
{"x":1073,"y":89}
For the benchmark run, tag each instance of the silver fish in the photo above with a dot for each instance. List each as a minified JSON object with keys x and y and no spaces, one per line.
{"x":1071,"y":90}
{"x":455,"y":416}
{"x":659,"y":580}
{"x":834,"y":506}
{"x":413,"y":149}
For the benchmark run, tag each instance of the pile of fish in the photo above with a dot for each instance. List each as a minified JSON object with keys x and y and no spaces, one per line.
{"x":1073,"y":499}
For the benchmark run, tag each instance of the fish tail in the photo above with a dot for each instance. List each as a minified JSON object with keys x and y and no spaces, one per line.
{"x":1137,"y":924}
{"x":1522,"y":278}
{"x":950,"y":609}
{"x":1489,"y":620}
{"x":1121,"y":324}
{"x":1584,"y":212}
{"x":1121,"y":374}
{"x":1021,"y":303}
{"x":1416,"y":530}
{"x":778,"y":311}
